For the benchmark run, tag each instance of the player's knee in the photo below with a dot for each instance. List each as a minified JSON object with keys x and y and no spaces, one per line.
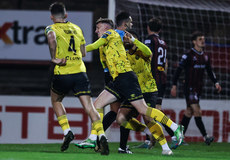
{"x":188,"y":112}
{"x":197,"y":113}
{"x":120,"y":119}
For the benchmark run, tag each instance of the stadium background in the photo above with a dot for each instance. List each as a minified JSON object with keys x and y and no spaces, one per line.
{"x":31,"y":78}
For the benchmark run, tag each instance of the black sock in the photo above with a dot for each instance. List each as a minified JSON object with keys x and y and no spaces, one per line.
{"x":169,"y":131}
{"x":200,"y":125}
{"x":147,"y":137}
{"x":108,"y":119}
{"x":185,"y":121}
{"x":124,"y":135}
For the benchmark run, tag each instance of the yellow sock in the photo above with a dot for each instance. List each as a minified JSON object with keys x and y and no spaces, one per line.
{"x":93,"y":131}
{"x":101,"y":112}
{"x":63,"y":121}
{"x":98,"y":126}
{"x":157,"y":132}
{"x":158,"y":116}
{"x":134,"y":124}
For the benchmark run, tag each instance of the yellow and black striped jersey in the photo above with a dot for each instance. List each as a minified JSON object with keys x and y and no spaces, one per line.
{"x":141,"y":65}
{"x":69,"y":38}
{"x":114,"y":52}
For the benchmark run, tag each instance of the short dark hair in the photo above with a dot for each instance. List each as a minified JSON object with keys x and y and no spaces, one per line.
{"x":196,"y":34}
{"x":121,"y":17}
{"x":105,"y":20}
{"x":58,"y":8}
{"x":155,"y":24}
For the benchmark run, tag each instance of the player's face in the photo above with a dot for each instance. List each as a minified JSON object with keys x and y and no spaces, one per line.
{"x":129,"y":23}
{"x":199,"y":42}
{"x":101,"y":28}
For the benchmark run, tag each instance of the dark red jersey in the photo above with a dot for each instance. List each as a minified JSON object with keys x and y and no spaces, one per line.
{"x":159,"y":52}
{"x":194,"y":64}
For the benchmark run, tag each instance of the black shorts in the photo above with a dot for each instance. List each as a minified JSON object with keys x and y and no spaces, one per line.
{"x":192,"y":97}
{"x":125,"y":86}
{"x":150,"y":99}
{"x":78,"y":83}
{"x":161,"y":92}
{"x":108,"y":78}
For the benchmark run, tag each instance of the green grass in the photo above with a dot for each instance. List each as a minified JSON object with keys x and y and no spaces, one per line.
{"x":194,"y":151}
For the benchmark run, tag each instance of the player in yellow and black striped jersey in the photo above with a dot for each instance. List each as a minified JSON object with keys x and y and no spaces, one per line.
{"x":114,"y":52}
{"x":69,"y":38}
{"x":125,"y":82}
{"x":67,"y":46}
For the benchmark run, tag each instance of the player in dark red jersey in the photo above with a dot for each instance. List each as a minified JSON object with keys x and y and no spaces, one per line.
{"x":158,"y":63}
{"x":195,"y":62}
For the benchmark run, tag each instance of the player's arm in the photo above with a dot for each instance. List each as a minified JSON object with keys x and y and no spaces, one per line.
{"x":145,"y":49}
{"x":182,"y":64}
{"x":96,"y":44}
{"x":51,"y":37}
{"x":149,"y":43}
{"x":166,"y":67}
{"x":83,"y":50}
{"x":212,"y":76}
{"x":141,"y":46}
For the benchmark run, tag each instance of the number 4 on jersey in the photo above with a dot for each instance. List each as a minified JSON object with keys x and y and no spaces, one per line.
{"x":72,"y":45}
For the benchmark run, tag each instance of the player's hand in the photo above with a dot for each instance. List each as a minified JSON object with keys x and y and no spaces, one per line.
{"x":218,"y":87}
{"x":130,"y":36}
{"x":60,"y":62}
{"x":127,"y":38}
{"x":173,"y":91}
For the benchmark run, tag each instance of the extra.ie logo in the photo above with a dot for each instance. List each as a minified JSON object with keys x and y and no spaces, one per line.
{"x":22,"y":34}
{"x":3,"y":36}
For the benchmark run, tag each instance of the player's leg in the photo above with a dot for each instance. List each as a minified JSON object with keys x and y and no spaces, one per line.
{"x":152,"y":129}
{"x":161,"y":91}
{"x":124,"y":113}
{"x":156,"y":130}
{"x":59,"y":87}
{"x":108,"y":119}
{"x":106,"y":97}
{"x":158,"y":134}
{"x":82,"y":90}
{"x":159,"y":116}
{"x":199,"y":123}
{"x":60,"y":112}
{"x":128,"y":85}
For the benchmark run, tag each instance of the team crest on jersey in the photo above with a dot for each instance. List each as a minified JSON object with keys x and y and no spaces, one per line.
{"x":184,"y":56}
{"x":161,"y":41}
{"x":194,"y":58}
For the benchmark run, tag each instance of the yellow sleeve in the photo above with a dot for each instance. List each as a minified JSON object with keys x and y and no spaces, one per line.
{"x":144,"y":49}
{"x":96,"y":44}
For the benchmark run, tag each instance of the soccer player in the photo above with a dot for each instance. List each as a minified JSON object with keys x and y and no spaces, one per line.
{"x":195,"y":62}
{"x":158,"y":62}
{"x":125,"y":83}
{"x":123,"y":22}
{"x":67,"y":47}
{"x":139,"y":56}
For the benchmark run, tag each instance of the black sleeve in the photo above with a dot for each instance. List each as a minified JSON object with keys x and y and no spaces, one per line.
{"x":211,"y":74}
{"x":177,"y":75}
{"x":149,"y":43}
{"x":182,"y":64}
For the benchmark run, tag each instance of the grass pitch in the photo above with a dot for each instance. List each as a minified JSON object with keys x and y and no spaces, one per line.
{"x":194,"y":151}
